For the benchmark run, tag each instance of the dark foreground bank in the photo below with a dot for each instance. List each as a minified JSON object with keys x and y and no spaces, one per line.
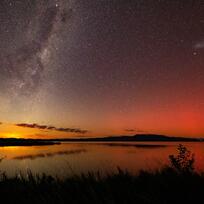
{"x":165,"y":186}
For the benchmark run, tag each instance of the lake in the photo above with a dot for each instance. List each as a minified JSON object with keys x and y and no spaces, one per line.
{"x":75,"y":158}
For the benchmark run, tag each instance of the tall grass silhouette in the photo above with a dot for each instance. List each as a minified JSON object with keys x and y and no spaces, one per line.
{"x":176,"y":183}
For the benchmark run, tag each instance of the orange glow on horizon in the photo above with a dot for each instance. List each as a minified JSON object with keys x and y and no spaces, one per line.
{"x":175,"y":121}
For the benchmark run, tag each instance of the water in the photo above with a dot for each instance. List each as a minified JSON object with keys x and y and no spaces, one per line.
{"x":75,"y":158}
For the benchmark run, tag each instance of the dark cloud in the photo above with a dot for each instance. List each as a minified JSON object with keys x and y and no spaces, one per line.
{"x":134,"y":130}
{"x":46,"y":127}
{"x":130,"y":130}
{"x":51,"y":154}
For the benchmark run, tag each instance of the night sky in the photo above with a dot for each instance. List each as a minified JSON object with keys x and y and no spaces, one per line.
{"x":76,"y":68}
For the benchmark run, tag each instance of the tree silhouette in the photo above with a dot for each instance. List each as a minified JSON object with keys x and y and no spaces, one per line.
{"x":184,"y":161}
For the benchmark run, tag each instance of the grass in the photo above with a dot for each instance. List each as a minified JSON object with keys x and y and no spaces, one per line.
{"x":161,"y":186}
{"x":171,"y":184}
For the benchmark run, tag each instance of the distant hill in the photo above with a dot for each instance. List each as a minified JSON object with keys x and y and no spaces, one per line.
{"x":136,"y":138}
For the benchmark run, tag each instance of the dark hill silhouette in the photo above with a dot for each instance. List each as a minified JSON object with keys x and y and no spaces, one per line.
{"x":136,"y":138}
{"x":25,"y":142}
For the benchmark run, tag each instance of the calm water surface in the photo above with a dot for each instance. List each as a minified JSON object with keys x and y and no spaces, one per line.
{"x":74,"y":158}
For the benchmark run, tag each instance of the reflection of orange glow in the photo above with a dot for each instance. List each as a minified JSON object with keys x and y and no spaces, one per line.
{"x":13,"y":148}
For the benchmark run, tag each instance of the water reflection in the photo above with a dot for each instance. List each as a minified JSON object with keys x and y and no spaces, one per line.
{"x":2,"y":158}
{"x":50,"y":154}
{"x":133,"y":145}
{"x":84,"y":157}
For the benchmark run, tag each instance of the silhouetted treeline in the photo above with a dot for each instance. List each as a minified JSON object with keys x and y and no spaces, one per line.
{"x":25,"y":142}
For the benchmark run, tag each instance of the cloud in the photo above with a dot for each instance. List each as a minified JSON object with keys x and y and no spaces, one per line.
{"x":134,"y":130}
{"x":46,"y":127}
{"x":129,"y":130}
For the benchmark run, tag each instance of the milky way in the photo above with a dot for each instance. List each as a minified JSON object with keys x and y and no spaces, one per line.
{"x":25,"y":66}
{"x":103,"y":65}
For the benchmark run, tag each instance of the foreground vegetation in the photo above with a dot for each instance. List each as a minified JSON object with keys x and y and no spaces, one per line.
{"x":176,"y":183}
